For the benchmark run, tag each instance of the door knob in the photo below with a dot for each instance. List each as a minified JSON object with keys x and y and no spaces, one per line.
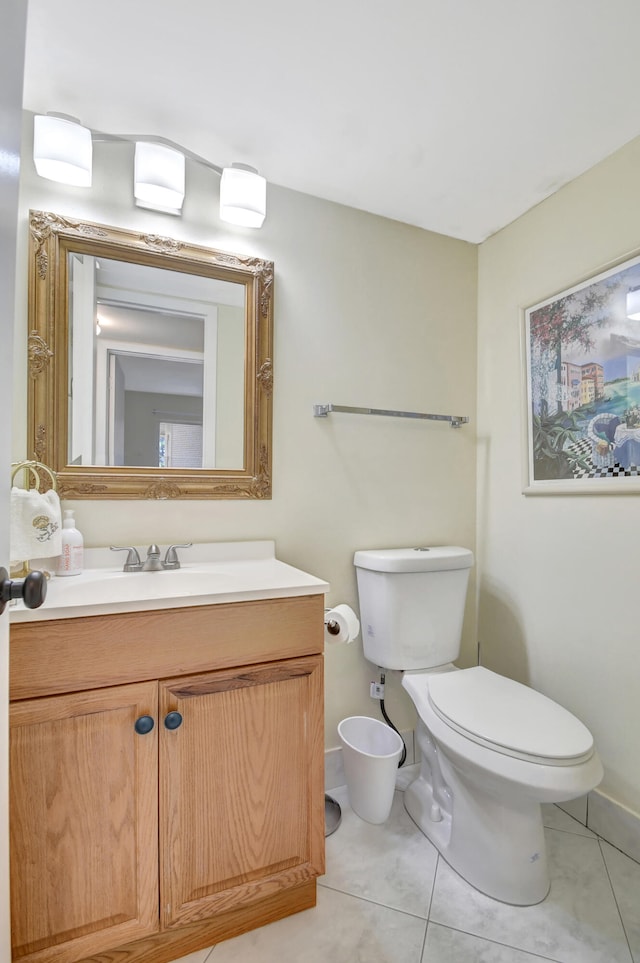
{"x":32,"y":589}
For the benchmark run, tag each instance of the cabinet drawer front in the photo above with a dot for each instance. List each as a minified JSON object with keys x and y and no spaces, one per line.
{"x":241,"y":787}
{"x":83,"y":823}
{"x":68,"y":655}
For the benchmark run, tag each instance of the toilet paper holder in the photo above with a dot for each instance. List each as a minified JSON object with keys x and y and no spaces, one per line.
{"x":341,"y":624}
{"x":333,"y":627}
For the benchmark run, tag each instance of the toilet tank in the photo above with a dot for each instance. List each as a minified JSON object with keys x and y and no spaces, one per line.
{"x":412,"y":604}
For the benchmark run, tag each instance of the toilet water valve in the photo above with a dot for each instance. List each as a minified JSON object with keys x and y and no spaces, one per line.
{"x":376,"y":690}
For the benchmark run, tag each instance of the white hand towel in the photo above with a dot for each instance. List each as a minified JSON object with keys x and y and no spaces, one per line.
{"x":36,"y":522}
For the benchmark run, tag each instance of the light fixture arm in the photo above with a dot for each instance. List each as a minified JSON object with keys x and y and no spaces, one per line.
{"x":100,"y":135}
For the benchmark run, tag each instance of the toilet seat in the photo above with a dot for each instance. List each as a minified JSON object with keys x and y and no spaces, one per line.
{"x":508,"y":717}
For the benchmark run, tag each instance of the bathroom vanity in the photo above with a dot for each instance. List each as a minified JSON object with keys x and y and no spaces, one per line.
{"x":166,"y":753}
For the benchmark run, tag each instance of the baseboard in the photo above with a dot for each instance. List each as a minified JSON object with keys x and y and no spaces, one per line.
{"x":615,"y":823}
{"x":609,"y":819}
{"x":334,"y":767}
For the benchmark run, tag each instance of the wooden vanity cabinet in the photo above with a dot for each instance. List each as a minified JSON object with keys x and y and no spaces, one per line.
{"x":148,"y":845}
{"x":235,"y":822}
{"x":83,"y":822}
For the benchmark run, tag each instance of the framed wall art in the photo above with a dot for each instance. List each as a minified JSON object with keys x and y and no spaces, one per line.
{"x":582,"y":349}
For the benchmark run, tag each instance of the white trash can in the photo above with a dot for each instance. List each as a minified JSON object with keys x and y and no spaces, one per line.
{"x":371,"y":753}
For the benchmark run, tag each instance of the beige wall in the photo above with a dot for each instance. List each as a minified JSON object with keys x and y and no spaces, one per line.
{"x":368,"y":312}
{"x":558,"y":575}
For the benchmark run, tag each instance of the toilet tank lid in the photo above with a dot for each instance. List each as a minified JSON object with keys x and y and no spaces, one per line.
{"x":437,"y":558}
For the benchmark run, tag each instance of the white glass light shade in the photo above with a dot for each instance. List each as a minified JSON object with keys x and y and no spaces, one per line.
{"x":243,"y":196}
{"x":62,"y":150}
{"x":159,"y":177}
{"x":633,"y":304}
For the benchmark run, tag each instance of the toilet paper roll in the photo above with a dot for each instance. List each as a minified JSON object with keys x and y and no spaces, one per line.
{"x":340,"y":624}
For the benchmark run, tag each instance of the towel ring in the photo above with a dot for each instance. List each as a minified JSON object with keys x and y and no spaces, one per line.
{"x":30,"y":468}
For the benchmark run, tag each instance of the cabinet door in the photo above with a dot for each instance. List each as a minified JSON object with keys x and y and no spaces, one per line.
{"x":241,"y":787}
{"x":83,"y":814}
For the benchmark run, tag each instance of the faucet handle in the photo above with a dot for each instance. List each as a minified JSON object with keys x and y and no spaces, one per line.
{"x":171,"y":559}
{"x":133,"y":563}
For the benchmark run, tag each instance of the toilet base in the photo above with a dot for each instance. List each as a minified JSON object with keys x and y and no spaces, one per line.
{"x":494,"y":840}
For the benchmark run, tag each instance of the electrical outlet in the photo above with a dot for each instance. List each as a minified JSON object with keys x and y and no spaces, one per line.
{"x":376,"y":690}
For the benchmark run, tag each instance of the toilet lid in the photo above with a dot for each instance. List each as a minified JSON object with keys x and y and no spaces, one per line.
{"x":508,"y":716}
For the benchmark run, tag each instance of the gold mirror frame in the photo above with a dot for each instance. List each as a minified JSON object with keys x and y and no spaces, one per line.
{"x":52,"y":237}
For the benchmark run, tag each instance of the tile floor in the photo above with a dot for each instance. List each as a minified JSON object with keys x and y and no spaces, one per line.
{"x":387,"y":897}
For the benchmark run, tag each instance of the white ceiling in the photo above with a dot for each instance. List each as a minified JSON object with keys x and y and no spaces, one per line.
{"x":456,"y":116}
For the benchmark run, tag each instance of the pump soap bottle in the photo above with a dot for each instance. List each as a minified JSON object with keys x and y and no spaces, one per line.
{"x":72,"y":558}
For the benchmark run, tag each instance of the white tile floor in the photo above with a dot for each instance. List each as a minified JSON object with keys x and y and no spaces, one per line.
{"x":387,"y":897}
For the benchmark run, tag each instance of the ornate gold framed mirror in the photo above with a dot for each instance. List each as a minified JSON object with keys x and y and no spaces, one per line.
{"x":150,"y":364}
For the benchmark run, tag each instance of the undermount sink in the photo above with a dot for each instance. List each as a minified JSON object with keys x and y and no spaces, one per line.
{"x":209,"y":574}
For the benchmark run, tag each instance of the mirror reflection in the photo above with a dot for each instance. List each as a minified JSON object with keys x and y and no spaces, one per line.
{"x":166,"y":385}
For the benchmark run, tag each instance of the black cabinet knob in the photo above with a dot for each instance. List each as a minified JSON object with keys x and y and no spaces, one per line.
{"x":144,"y":725}
{"x":173,"y":720}
{"x":32,"y":589}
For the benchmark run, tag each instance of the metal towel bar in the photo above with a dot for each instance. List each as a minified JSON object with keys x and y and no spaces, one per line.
{"x":321,"y":411}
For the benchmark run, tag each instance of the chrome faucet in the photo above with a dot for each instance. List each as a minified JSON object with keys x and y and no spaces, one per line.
{"x":152,"y":562}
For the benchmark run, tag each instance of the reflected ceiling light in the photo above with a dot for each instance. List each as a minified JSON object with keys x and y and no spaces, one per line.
{"x":633,"y":304}
{"x":243,"y":196}
{"x":159,"y":177}
{"x":62,"y":149}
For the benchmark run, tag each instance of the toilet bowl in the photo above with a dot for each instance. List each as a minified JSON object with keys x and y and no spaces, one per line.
{"x":492,"y":750}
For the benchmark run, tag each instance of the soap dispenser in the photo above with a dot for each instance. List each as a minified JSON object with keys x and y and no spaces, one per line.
{"x":72,"y":558}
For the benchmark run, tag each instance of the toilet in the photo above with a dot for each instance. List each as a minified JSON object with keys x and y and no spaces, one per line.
{"x":492,"y":750}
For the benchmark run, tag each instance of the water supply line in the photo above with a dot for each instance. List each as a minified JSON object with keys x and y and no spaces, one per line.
{"x":390,"y":723}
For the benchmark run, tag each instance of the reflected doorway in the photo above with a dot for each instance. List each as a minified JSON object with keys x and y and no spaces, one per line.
{"x":155,"y":413}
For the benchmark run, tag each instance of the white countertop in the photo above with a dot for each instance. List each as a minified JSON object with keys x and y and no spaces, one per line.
{"x":210,"y":574}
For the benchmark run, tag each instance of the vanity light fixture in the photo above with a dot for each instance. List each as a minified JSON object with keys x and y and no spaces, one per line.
{"x":159,"y":170}
{"x":243,"y":196}
{"x":62,"y":149}
{"x":158,"y":180}
{"x":633,"y":304}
